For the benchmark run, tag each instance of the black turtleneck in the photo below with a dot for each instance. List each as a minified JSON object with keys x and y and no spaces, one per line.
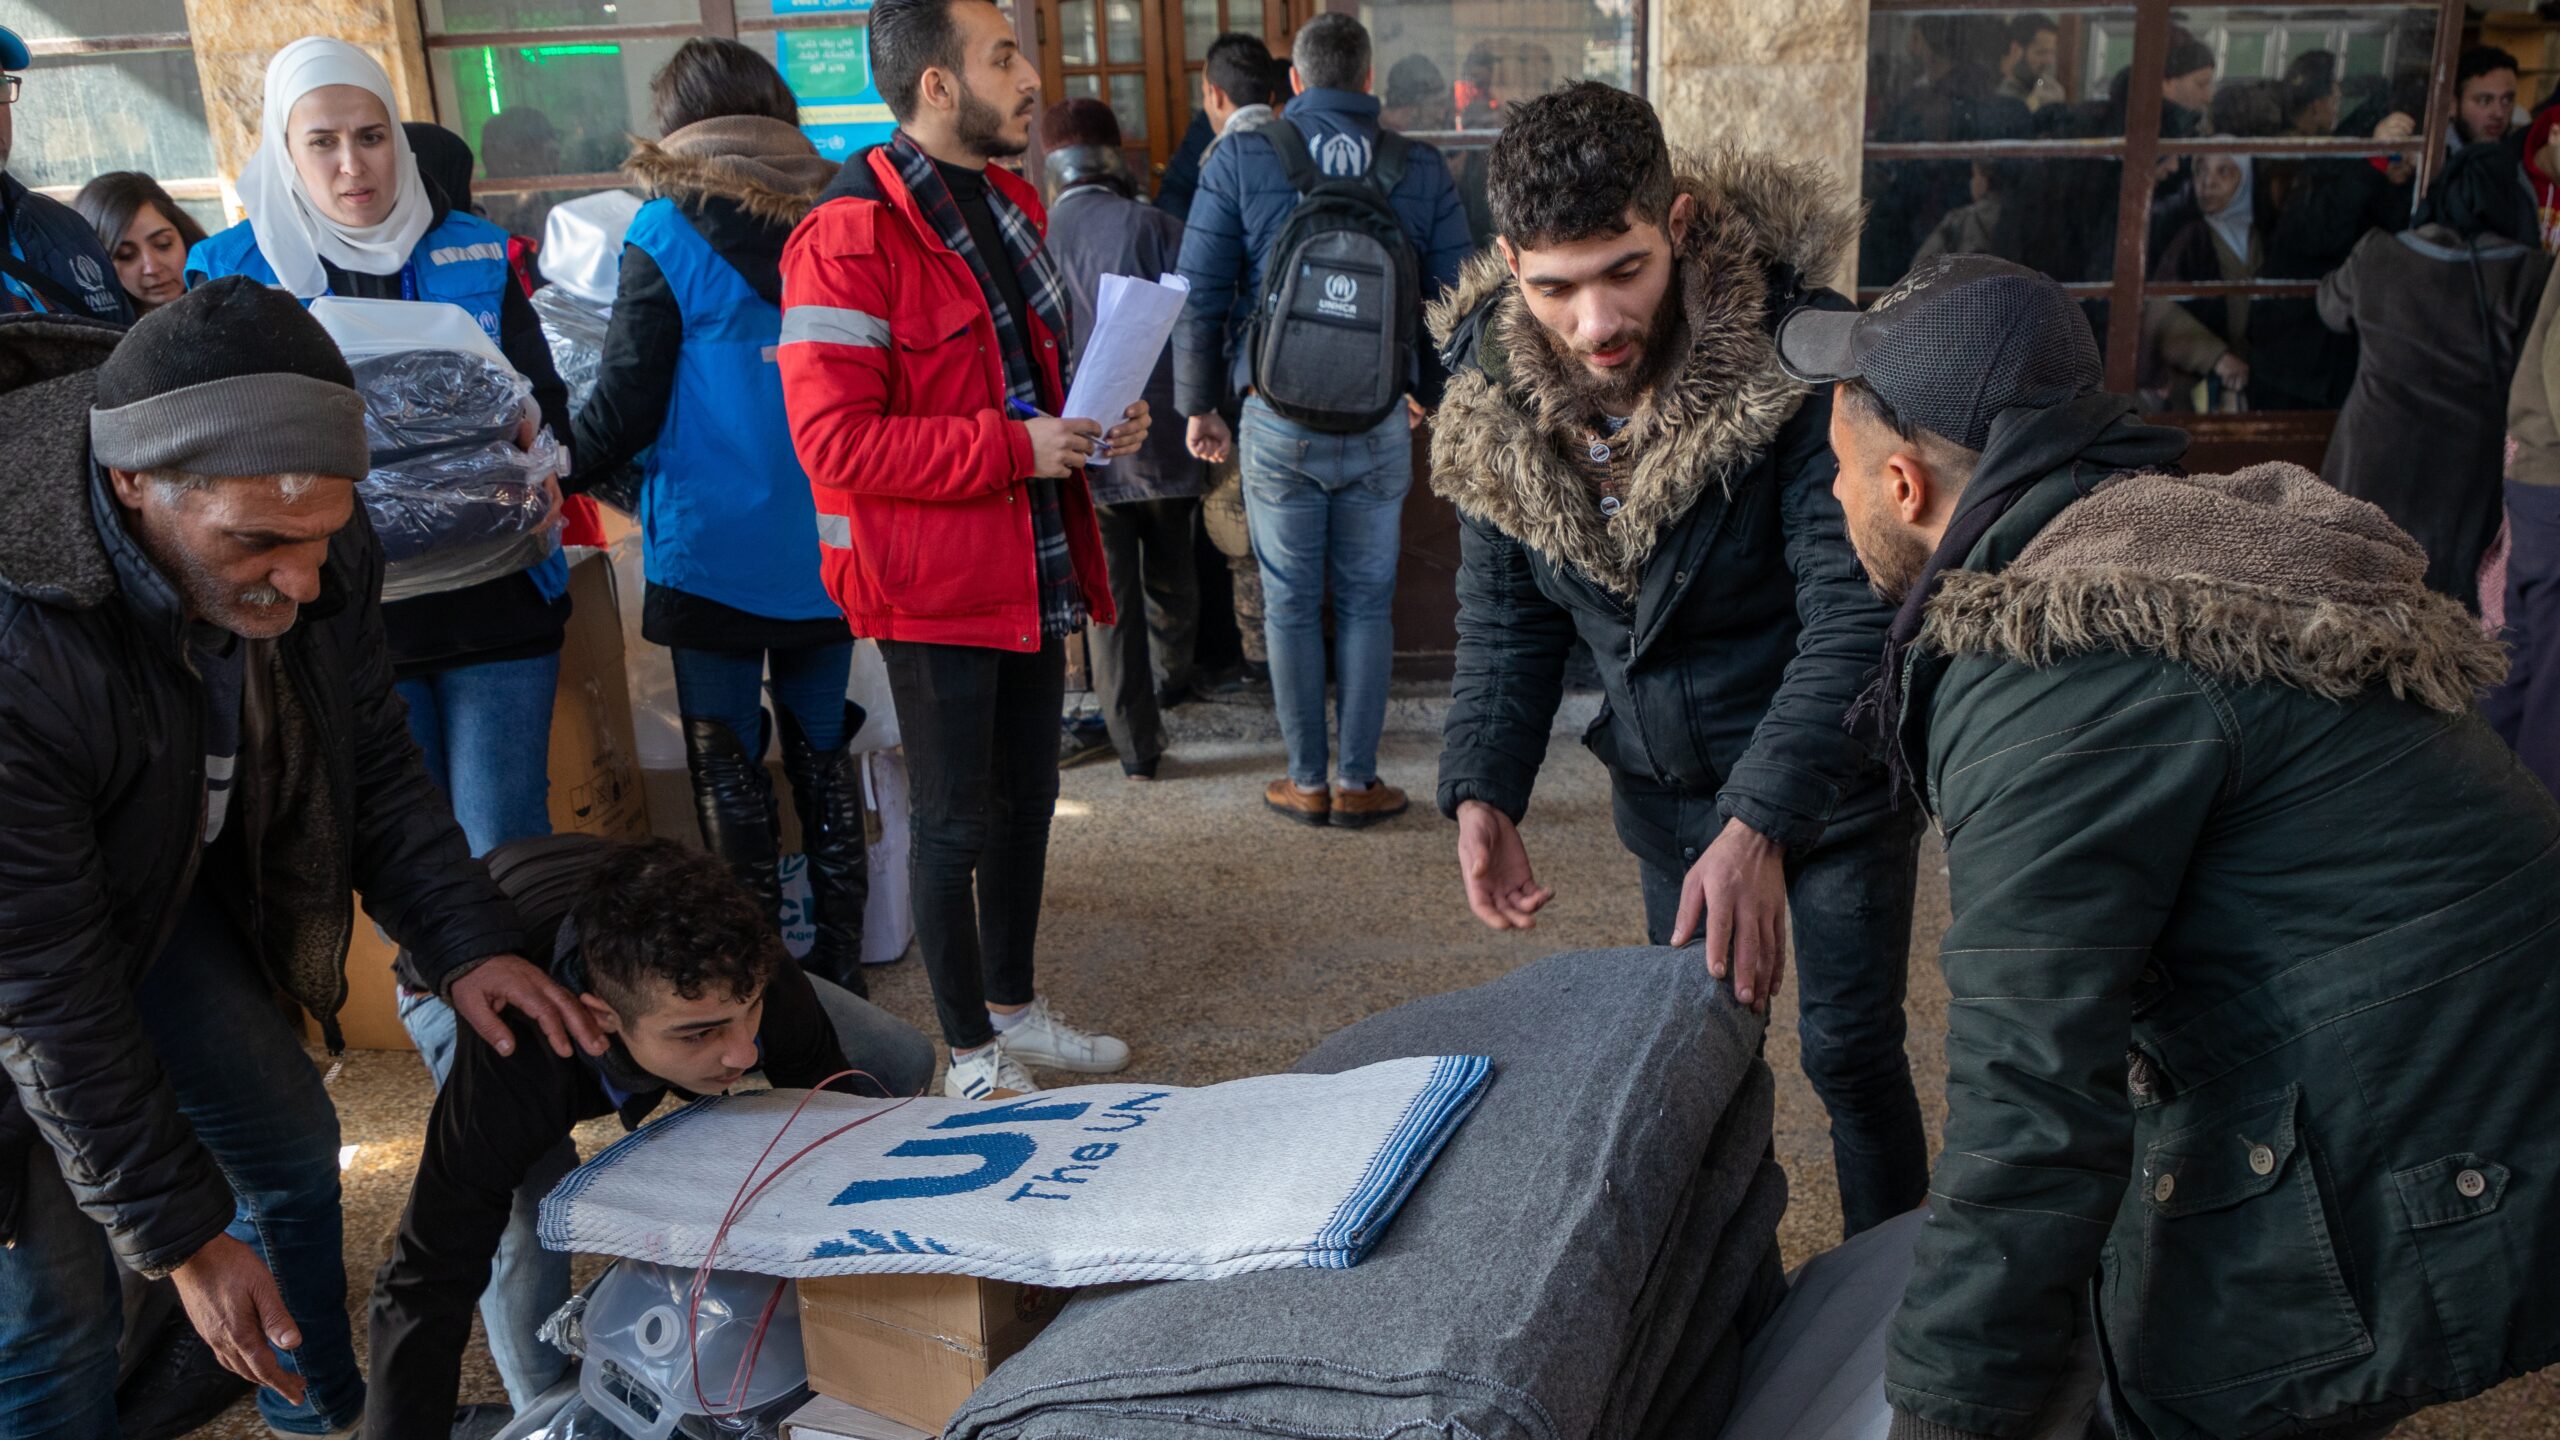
{"x":969,"y":191}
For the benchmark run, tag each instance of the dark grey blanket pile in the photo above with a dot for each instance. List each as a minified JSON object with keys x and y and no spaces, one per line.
{"x":1581,"y":1260}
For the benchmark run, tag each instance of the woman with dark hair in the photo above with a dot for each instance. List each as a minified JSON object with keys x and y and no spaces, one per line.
{"x":734,"y":589}
{"x":144,"y":232}
{"x":2442,"y":310}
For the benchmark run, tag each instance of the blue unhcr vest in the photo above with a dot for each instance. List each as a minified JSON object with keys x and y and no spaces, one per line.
{"x":462,"y":261}
{"x":725,"y":507}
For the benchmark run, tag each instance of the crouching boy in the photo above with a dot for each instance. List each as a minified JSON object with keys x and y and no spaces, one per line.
{"x":674,"y":960}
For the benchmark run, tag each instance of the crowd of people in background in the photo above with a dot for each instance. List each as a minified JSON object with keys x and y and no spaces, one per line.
{"x":833,"y":397}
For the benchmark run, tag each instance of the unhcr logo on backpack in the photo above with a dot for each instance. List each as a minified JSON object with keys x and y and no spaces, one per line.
{"x":1341,"y":297}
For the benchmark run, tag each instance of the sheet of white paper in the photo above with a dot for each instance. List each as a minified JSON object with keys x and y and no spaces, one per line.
{"x":1132,"y":320}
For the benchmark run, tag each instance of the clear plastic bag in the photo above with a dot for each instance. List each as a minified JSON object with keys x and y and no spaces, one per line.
{"x":452,"y":498}
{"x":636,"y":1376}
{"x":575,"y":328}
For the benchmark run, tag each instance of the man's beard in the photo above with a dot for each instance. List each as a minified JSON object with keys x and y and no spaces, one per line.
{"x":1620,"y":390}
{"x":1892,"y":557}
{"x":982,"y":129}
{"x":258,"y":612}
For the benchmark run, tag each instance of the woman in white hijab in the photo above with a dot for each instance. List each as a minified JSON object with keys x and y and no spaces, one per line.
{"x":336,"y":206}
{"x":2196,"y":353}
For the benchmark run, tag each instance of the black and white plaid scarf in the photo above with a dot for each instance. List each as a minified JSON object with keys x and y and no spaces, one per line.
{"x":1062,"y":603}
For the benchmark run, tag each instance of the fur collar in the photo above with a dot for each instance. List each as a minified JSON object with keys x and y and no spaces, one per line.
{"x":765,"y":167}
{"x":2267,"y":574}
{"x":1500,"y":442}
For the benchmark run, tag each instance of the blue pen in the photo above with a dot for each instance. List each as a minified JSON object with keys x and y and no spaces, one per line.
{"x":1019,"y":411}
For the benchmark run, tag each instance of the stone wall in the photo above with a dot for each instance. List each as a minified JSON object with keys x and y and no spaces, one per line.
{"x":235,"y":38}
{"x":1780,"y":75}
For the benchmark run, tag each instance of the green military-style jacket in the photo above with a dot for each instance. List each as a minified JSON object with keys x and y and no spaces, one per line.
{"x":2255,"y":973}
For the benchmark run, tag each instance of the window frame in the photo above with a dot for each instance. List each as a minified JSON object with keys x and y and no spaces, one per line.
{"x":186,"y":187}
{"x":2141,"y":145}
{"x":712,"y":17}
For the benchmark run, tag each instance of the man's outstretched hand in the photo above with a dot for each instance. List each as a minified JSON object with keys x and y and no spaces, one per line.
{"x":1501,"y":889}
{"x":510,"y":982}
{"x":1738,"y":891}
{"x":234,"y":1304}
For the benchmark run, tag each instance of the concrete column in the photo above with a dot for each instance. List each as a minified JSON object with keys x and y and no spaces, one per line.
{"x":1787,"y":76}
{"x":233,"y":40}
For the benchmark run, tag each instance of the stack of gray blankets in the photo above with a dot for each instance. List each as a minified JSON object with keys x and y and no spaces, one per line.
{"x":1584,"y":1259}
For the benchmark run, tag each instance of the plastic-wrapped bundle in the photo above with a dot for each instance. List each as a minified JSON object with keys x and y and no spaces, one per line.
{"x":575,"y":328}
{"x":453,"y":499}
{"x":582,"y":258}
{"x":658,"y":1363}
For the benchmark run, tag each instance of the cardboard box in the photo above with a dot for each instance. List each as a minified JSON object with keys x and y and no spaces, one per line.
{"x":913,"y":1347}
{"x":595,"y":786}
{"x":827,"y":1418}
{"x":595,"y":762}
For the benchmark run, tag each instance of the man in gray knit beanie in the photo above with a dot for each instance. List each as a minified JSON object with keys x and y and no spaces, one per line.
{"x":201,"y":758}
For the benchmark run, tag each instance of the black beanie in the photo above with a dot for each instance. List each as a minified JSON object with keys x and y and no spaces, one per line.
{"x":231,"y":378}
{"x":220,"y":329}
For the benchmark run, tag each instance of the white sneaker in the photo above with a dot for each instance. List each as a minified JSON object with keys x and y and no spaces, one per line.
{"x":1041,"y":1038}
{"x":982,"y":1072}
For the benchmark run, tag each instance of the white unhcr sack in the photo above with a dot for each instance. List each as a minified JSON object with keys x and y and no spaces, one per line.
{"x":1082,"y":1186}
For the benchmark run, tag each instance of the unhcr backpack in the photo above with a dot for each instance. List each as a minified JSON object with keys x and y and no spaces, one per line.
{"x":1341,"y":294}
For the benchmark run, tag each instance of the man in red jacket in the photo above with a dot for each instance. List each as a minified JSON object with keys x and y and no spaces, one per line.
{"x":919,"y":358}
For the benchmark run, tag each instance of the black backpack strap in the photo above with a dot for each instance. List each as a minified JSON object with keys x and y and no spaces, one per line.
{"x":53,"y":292}
{"x":1296,"y":160}
{"x":1387,"y":163}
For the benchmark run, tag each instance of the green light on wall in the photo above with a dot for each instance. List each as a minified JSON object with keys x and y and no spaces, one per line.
{"x":543,"y":54}
{"x":489,"y":75}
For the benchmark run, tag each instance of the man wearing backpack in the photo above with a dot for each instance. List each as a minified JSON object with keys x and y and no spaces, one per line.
{"x":1351,"y":228}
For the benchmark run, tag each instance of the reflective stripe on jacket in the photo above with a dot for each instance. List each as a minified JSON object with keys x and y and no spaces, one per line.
{"x":896,"y":393}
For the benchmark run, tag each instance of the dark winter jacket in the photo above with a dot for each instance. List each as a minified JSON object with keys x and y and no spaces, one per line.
{"x":2251,"y":968}
{"x":1245,"y":197}
{"x":691,"y":378}
{"x":51,"y":239}
{"x":2423,"y":435}
{"x":1727,"y":612}
{"x":1095,"y":230}
{"x":497,"y":1115}
{"x":1181,"y":179}
{"x":102,"y":783}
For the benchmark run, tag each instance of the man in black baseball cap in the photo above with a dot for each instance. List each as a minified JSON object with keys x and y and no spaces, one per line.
{"x":2248,"y":1047}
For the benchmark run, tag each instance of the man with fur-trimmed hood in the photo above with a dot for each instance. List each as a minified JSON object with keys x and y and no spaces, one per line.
{"x":2251,"y":963}
{"x":1633,"y":469}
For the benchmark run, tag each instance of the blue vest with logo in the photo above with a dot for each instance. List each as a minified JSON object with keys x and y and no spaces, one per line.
{"x":461,"y":261}
{"x":725,"y":508}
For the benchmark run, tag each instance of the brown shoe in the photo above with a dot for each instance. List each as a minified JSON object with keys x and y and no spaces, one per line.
{"x":1353,"y":809}
{"x":1285,"y":799}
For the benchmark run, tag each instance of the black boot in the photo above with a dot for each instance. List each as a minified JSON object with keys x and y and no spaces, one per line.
{"x":733,"y":799}
{"x":826,"y":790}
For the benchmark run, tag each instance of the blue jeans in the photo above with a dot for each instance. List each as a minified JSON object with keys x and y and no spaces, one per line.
{"x":486,"y":733}
{"x":254,"y":1100}
{"x":1849,"y":900}
{"x":526,"y":1282}
{"x":1327,"y":509}
{"x":728,"y":686}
